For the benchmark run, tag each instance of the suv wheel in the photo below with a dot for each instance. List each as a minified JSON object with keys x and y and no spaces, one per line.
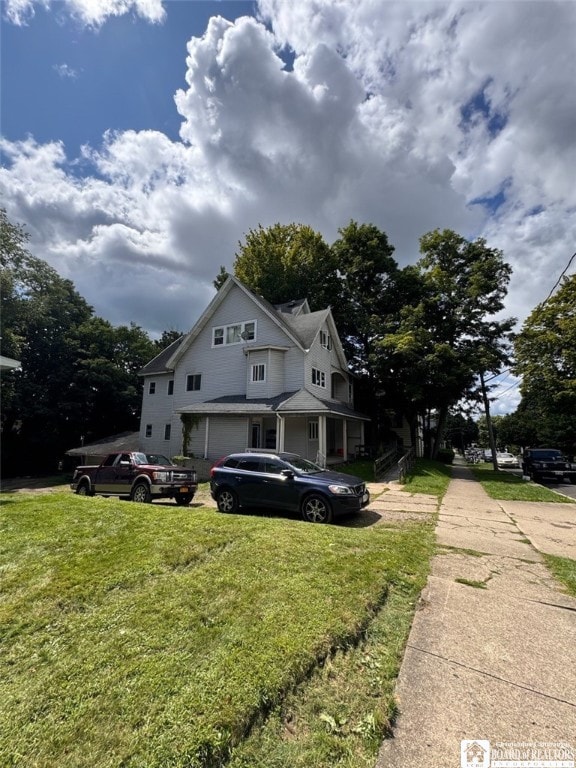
{"x":316,"y":509}
{"x":227,"y":501}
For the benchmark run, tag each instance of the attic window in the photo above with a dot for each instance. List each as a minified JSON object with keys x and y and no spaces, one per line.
{"x":318,"y":378}
{"x":325,"y":340}
{"x":235,"y":333}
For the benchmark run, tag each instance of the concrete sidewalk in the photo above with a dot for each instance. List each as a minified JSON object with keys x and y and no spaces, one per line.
{"x":491,"y":655}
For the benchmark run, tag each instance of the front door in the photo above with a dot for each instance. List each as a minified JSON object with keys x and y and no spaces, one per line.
{"x":255,"y":437}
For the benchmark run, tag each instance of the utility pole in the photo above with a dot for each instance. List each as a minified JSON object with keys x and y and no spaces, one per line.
{"x":489,"y":422}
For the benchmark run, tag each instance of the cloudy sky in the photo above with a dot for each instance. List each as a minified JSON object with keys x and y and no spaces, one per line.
{"x":142,"y":139}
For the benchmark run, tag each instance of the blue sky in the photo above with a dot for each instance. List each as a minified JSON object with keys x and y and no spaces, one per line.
{"x":141,"y":140}
{"x":81,"y":81}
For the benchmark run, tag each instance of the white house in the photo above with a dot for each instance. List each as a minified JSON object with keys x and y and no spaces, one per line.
{"x":252,"y":375}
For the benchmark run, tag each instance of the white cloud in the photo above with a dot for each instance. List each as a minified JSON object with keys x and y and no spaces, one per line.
{"x":92,"y":13}
{"x":399,"y":114}
{"x":65,"y":71}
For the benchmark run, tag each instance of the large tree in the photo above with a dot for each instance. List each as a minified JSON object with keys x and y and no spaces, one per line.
{"x":449,"y":336}
{"x":78,"y":374}
{"x":288,"y":261}
{"x":545,"y":358}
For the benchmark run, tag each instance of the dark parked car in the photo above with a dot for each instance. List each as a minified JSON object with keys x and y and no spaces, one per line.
{"x":285,"y":481}
{"x":547,"y":464}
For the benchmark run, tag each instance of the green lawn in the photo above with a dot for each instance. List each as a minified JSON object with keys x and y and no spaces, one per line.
{"x":508,"y":487}
{"x":428,"y":476}
{"x":153,"y":635}
{"x":564,"y":569}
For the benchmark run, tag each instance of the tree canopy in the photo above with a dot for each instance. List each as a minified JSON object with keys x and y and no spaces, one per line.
{"x":79,"y":374}
{"x":545,"y":358}
{"x":288,"y":261}
{"x":448,"y":337}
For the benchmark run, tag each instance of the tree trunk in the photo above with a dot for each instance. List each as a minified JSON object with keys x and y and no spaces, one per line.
{"x":442,"y":416}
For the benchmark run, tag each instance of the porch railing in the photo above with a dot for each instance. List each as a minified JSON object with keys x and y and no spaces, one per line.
{"x":394,"y":462}
{"x":405,"y":464}
{"x":384,"y":463}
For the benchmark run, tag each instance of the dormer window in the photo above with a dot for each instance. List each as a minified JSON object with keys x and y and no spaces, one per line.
{"x":236,"y":333}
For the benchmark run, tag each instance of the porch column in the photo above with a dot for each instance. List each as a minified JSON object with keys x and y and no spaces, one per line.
{"x":206,"y":435}
{"x":322,"y":442}
{"x":279,"y":433}
{"x":345,"y":440}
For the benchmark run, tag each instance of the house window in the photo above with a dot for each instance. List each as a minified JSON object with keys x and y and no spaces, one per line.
{"x":312,"y":430}
{"x":152,"y":388}
{"x":193,"y":382}
{"x":167,"y":430}
{"x":318,"y":378}
{"x":325,"y":340}
{"x":259,"y":372}
{"x":148,"y":430}
{"x":233,"y":334}
{"x":171,"y":387}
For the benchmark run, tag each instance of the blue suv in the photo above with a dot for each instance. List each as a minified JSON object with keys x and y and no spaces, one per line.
{"x":285,"y":481}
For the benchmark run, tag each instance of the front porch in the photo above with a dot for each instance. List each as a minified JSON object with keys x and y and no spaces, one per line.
{"x":326,"y":432}
{"x":326,"y":440}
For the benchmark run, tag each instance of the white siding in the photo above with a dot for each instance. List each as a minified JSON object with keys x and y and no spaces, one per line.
{"x":157,"y":410}
{"x":274,"y":385}
{"x":326,"y":361}
{"x":224,"y":369}
{"x":227,"y":434}
{"x":296,"y":437}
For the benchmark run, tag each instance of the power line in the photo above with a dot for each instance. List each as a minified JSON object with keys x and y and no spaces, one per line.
{"x":566,"y":268}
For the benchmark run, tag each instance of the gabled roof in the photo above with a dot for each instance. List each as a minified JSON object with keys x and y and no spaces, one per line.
{"x":125,"y":441}
{"x":8,"y":363}
{"x":297,"y":327}
{"x":294,"y":318}
{"x":159,"y":363}
{"x":294,"y":307}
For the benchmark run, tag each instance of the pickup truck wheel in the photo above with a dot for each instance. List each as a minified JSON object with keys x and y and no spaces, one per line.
{"x":83,"y":489}
{"x":316,"y":509}
{"x":227,"y":501}
{"x":183,"y":499}
{"x":141,"y":493}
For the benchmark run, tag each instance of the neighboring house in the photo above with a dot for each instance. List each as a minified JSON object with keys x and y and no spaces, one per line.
{"x":253,"y":375}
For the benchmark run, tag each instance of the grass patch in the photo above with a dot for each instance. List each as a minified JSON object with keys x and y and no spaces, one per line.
{"x":508,"y":487}
{"x":427,"y":476}
{"x":564,"y":570}
{"x":444,"y":549}
{"x":154,"y":636}
{"x":363,"y":469}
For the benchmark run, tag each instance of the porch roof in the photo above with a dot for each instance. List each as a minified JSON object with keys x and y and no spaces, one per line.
{"x":297,"y":403}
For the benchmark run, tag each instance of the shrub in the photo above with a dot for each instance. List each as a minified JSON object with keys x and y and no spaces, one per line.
{"x":446,"y":455}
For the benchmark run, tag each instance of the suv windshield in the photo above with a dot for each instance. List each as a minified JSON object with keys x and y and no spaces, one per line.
{"x":546,"y":455}
{"x":302,"y":465}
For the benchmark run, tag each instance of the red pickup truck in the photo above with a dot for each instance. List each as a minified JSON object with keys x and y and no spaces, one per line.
{"x":139,"y":476}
